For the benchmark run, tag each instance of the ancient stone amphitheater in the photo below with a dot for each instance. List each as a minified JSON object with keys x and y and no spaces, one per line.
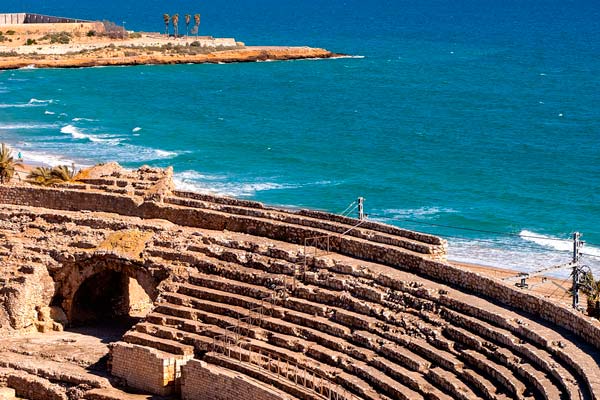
{"x":236,"y":300}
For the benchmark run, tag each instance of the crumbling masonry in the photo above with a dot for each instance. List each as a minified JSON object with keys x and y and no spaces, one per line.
{"x":242,"y":301}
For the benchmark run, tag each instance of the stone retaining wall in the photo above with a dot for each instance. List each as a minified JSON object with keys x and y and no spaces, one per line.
{"x":201,"y":381}
{"x":145,"y":368}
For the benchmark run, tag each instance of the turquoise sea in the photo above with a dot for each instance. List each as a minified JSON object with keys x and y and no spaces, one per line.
{"x":476,"y":114}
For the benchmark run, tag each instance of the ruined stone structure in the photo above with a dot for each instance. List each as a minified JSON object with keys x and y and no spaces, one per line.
{"x":37,"y":23}
{"x":236,"y":300}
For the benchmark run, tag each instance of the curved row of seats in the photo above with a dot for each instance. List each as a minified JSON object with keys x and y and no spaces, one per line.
{"x":419,"y":340}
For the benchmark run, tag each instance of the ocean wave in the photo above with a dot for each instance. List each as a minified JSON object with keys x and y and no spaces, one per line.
{"x":49,"y":112}
{"x":76,"y":133}
{"x":345,"y":57}
{"x":26,"y":126}
{"x":165,"y":154}
{"x":37,"y":101}
{"x":218,"y":184}
{"x":30,"y":66}
{"x":44,"y":158}
{"x":420,"y":213}
{"x":136,"y":129}
{"x":30,"y":103}
{"x":557,"y":244}
{"x":83,"y":119}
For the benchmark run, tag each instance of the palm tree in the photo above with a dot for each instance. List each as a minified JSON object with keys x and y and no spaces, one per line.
{"x":175,"y":21}
{"x":167,"y":19}
{"x":40,"y":176}
{"x":188,"y":18}
{"x":45,"y":176}
{"x":62,"y":173}
{"x":7,"y":164}
{"x":196,"y":23}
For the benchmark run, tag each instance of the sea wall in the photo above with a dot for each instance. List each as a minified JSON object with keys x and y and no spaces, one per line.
{"x":66,"y":199}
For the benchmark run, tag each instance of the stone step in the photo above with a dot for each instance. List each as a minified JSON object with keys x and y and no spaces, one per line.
{"x":487,"y":388}
{"x":165,"y":345}
{"x":530,"y":353}
{"x":450,"y":383}
{"x":279,"y":382}
{"x":313,"y":351}
{"x":389,"y":386}
{"x":319,"y":226}
{"x":545,"y":361}
{"x":164,"y":332}
{"x":305,"y":320}
{"x":499,"y":373}
{"x":506,"y":357}
{"x":353,"y":318}
{"x":206,"y":311}
{"x":540,"y":381}
{"x":411,"y":379}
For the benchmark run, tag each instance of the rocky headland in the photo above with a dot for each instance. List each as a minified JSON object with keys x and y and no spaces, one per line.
{"x":32,"y":51}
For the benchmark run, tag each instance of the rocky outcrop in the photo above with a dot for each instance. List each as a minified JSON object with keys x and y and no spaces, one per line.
{"x":246,"y":54}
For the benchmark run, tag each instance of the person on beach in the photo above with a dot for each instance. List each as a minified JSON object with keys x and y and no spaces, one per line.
{"x":20,"y":156}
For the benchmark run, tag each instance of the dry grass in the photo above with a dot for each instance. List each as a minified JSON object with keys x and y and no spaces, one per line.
{"x":129,"y":243}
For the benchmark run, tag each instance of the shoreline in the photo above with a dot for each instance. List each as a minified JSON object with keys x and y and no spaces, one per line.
{"x":122,"y":58}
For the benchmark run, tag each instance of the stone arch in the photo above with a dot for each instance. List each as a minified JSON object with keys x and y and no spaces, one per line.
{"x":103,"y":287}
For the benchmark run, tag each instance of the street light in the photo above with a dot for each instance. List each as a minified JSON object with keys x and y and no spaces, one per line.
{"x":124,"y":30}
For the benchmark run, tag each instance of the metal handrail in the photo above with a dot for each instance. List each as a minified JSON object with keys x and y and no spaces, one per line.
{"x":283,"y":367}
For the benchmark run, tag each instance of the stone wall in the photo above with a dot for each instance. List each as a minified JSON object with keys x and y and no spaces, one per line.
{"x":28,"y":18}
{"x":42,"y":29}
{"x":403,"y":259}
{"x":12,"y":19}
{"x":147,"y":369}
{"x":201,"y":381}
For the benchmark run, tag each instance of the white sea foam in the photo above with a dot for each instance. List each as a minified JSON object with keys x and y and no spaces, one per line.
{"x":74,"y":132}
{"x":136,"y":129}
{"x":37,"y":101}
{"x":219,"y":184}
{"x":420,"y":213}
{"x":557,"y":244}
{"x":343,"y":57}
{"x":84,"y":119}
{"x":30,"y":103}
{"x":49,"y":112}
{"x":77,"y":133}
{"x":165,"y":153}
{"x":26,"y":126}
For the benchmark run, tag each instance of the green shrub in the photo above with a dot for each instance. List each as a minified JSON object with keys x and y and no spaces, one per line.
{"x":135,"y":35}
{"x":10,"y":32}
{"x":30,"y":42}
{"x":91,"y":33}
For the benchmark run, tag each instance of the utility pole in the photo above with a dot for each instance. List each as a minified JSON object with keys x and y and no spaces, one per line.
{"x":577,"y":244}
{"x":361,"y":208}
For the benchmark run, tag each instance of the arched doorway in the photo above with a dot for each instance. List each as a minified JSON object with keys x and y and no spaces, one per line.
{"x":109,"y":297}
